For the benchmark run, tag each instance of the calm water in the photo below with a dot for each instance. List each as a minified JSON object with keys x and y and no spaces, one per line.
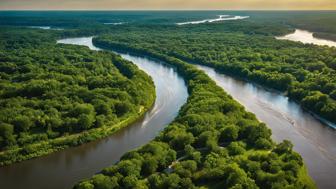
{"x":64,"y":168}
{"x":307,"y":37}
{"x":313,"y":140}
{"x":219,"y":19}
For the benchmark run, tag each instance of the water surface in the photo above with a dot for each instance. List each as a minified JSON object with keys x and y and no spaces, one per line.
{"x":114,"y":23}
{"x":315,"y":141}
{"x":220,"y":18}
{"x":45,"y":28}
{"x":307,"y":38}
{"x":63,"y":169}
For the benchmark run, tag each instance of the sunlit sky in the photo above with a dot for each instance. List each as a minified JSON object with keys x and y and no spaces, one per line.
{"x":169,"y":4}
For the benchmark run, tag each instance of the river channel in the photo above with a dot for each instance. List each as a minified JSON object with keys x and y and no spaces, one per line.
{"x":63,"y":169}
{"x":311,"y":138}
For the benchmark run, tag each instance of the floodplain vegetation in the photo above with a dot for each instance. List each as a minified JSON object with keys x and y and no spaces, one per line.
{"x":54,"y":96}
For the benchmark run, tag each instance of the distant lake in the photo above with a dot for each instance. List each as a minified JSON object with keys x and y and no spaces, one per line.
{"x":45,"y":27}
{"x":114,"y":23}
{"x":307,"y":38}
{"x":220,"y":18}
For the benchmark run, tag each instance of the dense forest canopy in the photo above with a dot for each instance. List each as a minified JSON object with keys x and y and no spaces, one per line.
{"x":62,"y":90}
{"x":49,"y":91}
{"x":322,"y":23}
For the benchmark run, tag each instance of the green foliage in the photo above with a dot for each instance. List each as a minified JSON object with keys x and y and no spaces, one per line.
{"x":213,"y":143}
{"x":54,"y":96}
{"x":229,"y":133}
{"x":103,"y":182}
{"x":6,"y":135}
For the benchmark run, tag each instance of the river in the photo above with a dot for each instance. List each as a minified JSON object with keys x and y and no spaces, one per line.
{"x":219,"y":19}
{"x":307,"y":37}
{"x":63,"y":169}
{"x":313,"y":140}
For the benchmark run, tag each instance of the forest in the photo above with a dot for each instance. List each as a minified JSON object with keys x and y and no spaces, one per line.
{"x":56,"y":96}
{"x":213,"y":143}
{"x":306,"y":73}
{"x":67,"y":95}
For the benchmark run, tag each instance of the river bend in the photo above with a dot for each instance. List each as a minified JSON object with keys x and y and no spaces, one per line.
{"x":313,"y":140}
{"x":63,"y":169}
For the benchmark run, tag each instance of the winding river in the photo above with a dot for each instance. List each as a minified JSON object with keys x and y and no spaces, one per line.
{"x":313,"y":140}
{"x":63,"y":169}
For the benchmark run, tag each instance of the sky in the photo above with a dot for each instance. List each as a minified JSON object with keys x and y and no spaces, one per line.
{"x":168,"y":4}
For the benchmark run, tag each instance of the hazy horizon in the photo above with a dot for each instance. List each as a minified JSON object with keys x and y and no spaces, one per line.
{"x":114,"y":5}
{"x":158,"y":10}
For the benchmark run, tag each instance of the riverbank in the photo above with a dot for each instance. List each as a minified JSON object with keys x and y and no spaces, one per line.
{"x":281,"y":65}
{"x":288,"y":121}
{"x":66,"y":167}
{"x":326,"y":36}
{"x":222,"y":69}
{"x":47,"y":147}
{"x":268,"y":88}
{"x":308,"y":37}
{"x":45,"y":137}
